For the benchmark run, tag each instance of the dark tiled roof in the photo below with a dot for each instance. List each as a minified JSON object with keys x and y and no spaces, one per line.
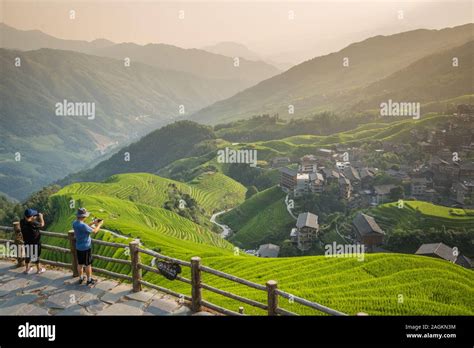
{"x":288,"y":171}
{"x":316,"y":176}
{"x":307,"y":219}
{"x":365,"y":172}
{"x":268,"y":250}
{"x":464,"y":261}
{"x":366,"y":224}
{"x":330,"y":173}
{"x":438,"y":249}
{"x":344,"y":181}
{"x":351,"y":173}
{"x":383,"y":189}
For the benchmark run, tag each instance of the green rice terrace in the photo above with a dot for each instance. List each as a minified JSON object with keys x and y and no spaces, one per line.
{"x":396,"y":131}
{"x":433,"y":214}
{"x":455,"y":225}
{"x":261,"y":219}
{"x":299,"y":145}
{"x":428,"y":286}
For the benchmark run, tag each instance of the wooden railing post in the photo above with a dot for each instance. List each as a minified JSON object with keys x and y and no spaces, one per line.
{"x":136,"y":270}
{"x":272,"y":297}
{"x":196,"y":294}
{"x":18,"y":240}
{"x":72,"y":247}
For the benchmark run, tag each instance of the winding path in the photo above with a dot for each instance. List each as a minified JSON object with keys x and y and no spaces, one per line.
{"x":226,"y":231}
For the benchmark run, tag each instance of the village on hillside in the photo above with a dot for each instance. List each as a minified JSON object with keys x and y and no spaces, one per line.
{"x":444,"y":176}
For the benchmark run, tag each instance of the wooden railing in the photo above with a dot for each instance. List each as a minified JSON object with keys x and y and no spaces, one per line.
{"x":196,"y":301}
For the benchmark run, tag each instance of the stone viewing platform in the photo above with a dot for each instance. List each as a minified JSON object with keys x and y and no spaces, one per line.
{"x":56,"y":292}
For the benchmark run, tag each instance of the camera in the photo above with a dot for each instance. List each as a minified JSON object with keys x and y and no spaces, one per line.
{"x":96,"y":220}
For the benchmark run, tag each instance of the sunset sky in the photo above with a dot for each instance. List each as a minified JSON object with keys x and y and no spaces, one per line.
{"x":266,"y":27}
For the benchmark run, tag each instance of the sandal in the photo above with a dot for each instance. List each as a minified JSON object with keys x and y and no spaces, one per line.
{"x":41,"y":270}
{"x":28,"y":271}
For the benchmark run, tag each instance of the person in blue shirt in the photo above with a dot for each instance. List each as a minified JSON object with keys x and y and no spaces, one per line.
{"x":82,"y":232}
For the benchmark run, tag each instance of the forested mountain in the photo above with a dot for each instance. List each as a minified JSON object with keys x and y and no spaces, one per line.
{"x":437,"y":77}
{"x":232,"y":49}
{"x":29,"y":40}
{"x":233,"y":77}
{"x":321,"y":83}
{"x":128,"y":102}
{"x":243,"y":73}
{"x":157,"y":149}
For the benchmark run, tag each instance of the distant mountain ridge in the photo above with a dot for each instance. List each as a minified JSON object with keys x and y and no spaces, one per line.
{"x":319,"y":84}
{"x":162,"y":83}
{"x":29,"y":40}
{"x":195,"y":61}
{"x":232,"y":49}
{"x":128,"y":101}
{"x":432,"y":78}
{"x":235,"y":49}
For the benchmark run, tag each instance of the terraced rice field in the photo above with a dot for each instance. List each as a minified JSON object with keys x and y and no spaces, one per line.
{"x":150,"y":224}
{"x":302,"y":144}
{"x":213,"y":192}
{"x":418,"y":214}
{"x":428,"y":286}
{"x":217,"y":190}
{"x":261,"y":218}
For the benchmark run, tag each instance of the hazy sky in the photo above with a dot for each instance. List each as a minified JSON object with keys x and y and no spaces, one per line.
{"x":286,"y":30}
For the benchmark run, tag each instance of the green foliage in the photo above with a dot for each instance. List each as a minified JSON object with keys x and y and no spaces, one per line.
{"x":250,"y":176}
{"x":129,"y":103}
{"x":414,"y":70}
{"x":429,"y":286}
{"x":288,"y":249}
{"x":186,"y":206}
{"x":250,"y":192}
{"x":152,"y":152}
{"x":385,"y":179}
{"x":396,"y":193}
{"x":212,"y":192}
{"x":421,"y":222}
{"x":261,"y":219}
{"x":266,"y":127}
{"x":9,"y":211}
{"x":322,"y":204}
{"x":39,"y":201}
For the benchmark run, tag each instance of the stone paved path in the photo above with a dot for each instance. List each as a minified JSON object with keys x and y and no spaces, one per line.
{"x":55,"y":292}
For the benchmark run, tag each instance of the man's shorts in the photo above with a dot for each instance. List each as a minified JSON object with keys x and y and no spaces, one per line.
{"x":33,"y":252}
{"x":84,"y":257}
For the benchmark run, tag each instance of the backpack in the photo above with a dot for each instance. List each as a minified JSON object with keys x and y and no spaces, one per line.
{"x":169,"y":270}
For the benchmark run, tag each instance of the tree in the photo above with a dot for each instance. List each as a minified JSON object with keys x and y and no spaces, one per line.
{"x":287,"y":249}
{"x":396,"y":193}
{"x":39,"y":201}
{"x":251,"y":190}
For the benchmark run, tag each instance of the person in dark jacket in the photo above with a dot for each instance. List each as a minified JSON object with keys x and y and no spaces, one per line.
{"x":30,"y":229}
